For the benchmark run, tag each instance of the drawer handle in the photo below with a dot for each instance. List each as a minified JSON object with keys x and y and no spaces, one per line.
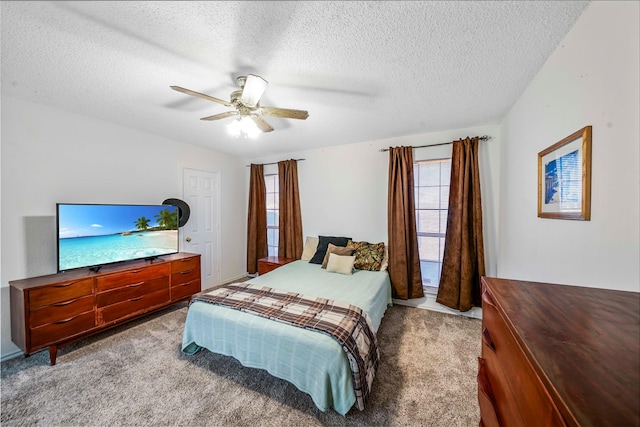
{"x":186,"y":272}
{"x":136,"y":299}
{"x":135,"y":285}
{"x":486,"y":338}
{"x":488,"y":299}
{"x":135,"y":271}
{"x":66,"y":320}
{"x":62,"y":304}
{"x":65,"y":284}
{"x":185,"y":284}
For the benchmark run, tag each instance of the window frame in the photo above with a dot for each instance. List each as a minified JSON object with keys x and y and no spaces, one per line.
{"x":272,"y":250}
{"x":442,"y":222}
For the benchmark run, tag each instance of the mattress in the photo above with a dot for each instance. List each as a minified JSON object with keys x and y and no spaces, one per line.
{"x":314,"y":362}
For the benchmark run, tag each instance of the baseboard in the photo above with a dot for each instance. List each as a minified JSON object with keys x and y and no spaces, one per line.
{"x":10,"y":356}
{"x":428,"y":302}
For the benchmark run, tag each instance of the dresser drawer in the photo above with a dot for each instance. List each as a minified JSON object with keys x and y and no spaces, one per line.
{"x":62,"y":329}
{"x":63,"y":291}
{"x":265,"y":267}
{"x":129,"y":277}
{"x":506,"y":407}
{"x":503,"y":353}
{"x":131,"y":291}
{"x":185,"y":265}
{"x":132,"y":306}
{"x":184,"y":290}
{"x":60,"y":311}
{"x":270,"y":263}
{"x":486,"y":397}
{"x":185,"y":276}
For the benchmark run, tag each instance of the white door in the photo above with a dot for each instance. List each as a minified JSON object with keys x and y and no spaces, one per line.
{"x":201,"y":234}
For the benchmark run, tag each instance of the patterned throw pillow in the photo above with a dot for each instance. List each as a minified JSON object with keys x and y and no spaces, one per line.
{"x":369,"y":256}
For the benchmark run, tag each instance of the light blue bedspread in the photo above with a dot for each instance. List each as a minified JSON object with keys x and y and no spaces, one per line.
{"x":312,"y":361}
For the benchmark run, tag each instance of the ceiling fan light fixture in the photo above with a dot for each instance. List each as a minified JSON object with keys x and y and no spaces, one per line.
{"x":252,"y":90}
{"x":246,"y":108}
{"x":243,"y":127}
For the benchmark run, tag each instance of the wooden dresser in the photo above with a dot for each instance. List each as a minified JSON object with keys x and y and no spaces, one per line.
{"x":267,"y":264}
{"x":556,"y":355}
{"x":50,"y":311}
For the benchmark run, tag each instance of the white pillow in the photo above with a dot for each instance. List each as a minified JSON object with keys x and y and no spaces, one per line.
{"x":310,"y":246}
{"x":342,"y":264}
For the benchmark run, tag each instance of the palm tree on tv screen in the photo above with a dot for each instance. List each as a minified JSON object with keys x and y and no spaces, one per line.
{"x":142,"y":223}
{"x":168,"y":220}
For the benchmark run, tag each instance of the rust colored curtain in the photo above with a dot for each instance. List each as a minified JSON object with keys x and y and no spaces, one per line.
{"x":404,"y":259}
{"x":257,"y":219}
{"x":463,"y":259}
{"x":290,"y":243}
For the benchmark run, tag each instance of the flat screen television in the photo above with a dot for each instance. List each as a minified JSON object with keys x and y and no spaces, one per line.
{"x":92,"y":235}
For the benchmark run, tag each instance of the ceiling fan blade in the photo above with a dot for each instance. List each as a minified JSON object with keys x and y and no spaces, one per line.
{"x":285,"y":113}
{"x":201,"y":95}
{"x":221,"y":115}
{"x":264,"y":126}
{"x":254,"y":87}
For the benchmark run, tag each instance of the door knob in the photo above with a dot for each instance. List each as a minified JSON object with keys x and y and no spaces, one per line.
{"x":188,"y":239}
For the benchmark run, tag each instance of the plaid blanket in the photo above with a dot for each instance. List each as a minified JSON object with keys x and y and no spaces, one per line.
{"x":348,"y":324}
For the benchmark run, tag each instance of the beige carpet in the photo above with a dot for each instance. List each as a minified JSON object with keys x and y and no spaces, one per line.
{"x":137,"y":375}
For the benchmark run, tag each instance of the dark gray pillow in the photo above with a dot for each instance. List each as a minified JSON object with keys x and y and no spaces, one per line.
{"x":323,"y":245}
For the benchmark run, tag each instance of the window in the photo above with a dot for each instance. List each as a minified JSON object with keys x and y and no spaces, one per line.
{"x":272,"y":184}
{"x":431,"y":189}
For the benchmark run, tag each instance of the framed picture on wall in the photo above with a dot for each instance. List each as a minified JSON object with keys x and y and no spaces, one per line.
{"x":564,"y":178}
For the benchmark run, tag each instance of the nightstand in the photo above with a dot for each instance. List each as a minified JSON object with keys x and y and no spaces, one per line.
{"x":269,"y":263}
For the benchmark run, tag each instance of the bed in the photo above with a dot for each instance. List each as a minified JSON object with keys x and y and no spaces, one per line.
{"x":314,"y":362}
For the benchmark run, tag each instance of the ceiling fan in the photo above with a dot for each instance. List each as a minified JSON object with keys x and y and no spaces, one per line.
{"x":246,"y":103}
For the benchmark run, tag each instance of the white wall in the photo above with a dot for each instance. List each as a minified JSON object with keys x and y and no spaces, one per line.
{"x":591,"y":79}
{"x":343,"y":189}
{"x":51,"y":156}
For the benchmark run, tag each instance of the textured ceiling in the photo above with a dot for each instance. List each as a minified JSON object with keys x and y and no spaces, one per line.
{"x":363,"y":70}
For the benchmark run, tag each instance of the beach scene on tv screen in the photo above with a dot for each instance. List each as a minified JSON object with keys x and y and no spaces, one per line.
{"x":91,"y":235}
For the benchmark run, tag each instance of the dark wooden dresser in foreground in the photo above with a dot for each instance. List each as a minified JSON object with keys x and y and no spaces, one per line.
{"x":556,"y":355}
{"x":50,"y":311}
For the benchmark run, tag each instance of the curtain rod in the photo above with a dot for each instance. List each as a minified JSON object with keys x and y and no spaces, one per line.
{"x":481,"y":138}
{"x":275,"y":163}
